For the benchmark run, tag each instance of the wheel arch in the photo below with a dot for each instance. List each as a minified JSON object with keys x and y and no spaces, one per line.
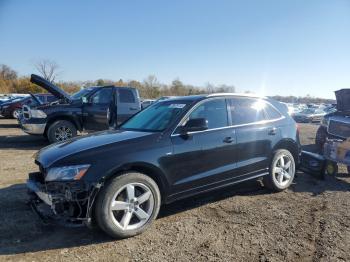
{"x":145,"y":168}
{"x":63,"y":117}
{"x":291,"y":146}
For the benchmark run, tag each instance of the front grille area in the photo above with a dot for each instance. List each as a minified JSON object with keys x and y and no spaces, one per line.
{"x":339,"y":129}
{"x":26,"y":112}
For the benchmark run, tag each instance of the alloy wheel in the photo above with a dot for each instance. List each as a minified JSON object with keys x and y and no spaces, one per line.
{"x":283,"y":170}
{"x":63,"y":133}
{"x":16,"y":113}
{"x":132,"y":206}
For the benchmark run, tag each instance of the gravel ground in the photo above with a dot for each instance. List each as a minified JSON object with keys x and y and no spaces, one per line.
{"x":308,"y":222}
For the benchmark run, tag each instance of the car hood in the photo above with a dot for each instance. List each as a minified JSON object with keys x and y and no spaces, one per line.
{"x":53,"y":153}
{"x":53,"y":89}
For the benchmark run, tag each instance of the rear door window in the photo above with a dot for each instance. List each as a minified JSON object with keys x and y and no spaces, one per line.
{"x":126,"y":96}
{"x":247,"y":110}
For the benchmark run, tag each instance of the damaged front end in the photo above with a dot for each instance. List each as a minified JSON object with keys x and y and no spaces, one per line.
{"x":68,"y":203}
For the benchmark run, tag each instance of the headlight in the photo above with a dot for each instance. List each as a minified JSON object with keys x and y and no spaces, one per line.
{"x":66,"y":173}
{"x":35,"y":113}
{"x":4,"y":107}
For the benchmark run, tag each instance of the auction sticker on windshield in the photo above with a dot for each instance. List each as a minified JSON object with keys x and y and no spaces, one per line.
{"x":177,"y":105}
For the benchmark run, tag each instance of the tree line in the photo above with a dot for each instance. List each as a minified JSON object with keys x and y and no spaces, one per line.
{"x":150,"y":87}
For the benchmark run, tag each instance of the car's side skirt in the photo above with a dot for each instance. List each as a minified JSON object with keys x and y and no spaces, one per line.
{"x":214,"y":186}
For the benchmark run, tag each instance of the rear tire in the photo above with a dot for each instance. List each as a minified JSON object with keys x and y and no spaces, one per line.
{"x":16,"y":113}
{"x":282,"y":171}
{"x":121,"y":211}
{"x":60,"y":131}
{"x":331,"y":168}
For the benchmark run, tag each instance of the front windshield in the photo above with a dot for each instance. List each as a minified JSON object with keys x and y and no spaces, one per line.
{"x":157,"y":117}
{"x":81,"y":93}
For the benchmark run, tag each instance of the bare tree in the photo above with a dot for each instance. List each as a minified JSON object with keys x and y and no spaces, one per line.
{"x":151,"y":87}
{"x":6,"y":73}
{"x":48,"y":69}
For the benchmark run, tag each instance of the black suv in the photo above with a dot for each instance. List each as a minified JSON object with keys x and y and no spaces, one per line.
{"x":173,"y":149}
{"x":90,"y":109}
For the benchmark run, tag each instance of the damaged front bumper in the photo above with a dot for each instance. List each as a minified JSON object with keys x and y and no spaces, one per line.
{"x":67,"y":203}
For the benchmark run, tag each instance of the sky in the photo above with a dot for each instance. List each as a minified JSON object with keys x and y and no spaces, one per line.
{"x":270,"y":47}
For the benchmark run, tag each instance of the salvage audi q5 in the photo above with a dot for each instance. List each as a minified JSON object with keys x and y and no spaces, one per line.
{"x":173,"y":149}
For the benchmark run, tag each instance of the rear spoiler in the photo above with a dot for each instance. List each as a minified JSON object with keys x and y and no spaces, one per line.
{"x":47,"y":85}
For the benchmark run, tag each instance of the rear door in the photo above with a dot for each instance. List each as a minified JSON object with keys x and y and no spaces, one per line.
{"x":257,"y":131}
{"x":95,"y":112}
{"x":128,"y":103}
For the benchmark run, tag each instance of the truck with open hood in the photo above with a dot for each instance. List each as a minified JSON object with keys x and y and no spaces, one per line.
{"x":336,"y":125}
{"x":90,"y":109}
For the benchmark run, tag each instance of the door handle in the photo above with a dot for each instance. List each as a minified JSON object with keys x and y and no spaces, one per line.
{"x":272,"y":131}
{"x":133,"y":108}
{"x":228,"y":140}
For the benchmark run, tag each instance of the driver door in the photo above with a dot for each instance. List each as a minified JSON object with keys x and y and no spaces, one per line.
{"x":205,"y":157}
{"x":95,"y":112}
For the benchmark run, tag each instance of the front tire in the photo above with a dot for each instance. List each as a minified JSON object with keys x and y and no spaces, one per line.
{"x":282,"y":171}
{"x":60,"y":131}
{"x":127,"y":205}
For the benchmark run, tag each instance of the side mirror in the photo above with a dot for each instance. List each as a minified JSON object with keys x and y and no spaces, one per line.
{"x":195,"y":124}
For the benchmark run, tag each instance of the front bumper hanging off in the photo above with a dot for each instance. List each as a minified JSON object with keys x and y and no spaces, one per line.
{"x":67,"y":203}
{"x":32,"y":126}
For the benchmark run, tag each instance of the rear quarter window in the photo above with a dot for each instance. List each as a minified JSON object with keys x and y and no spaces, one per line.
{"x":271,"y":112}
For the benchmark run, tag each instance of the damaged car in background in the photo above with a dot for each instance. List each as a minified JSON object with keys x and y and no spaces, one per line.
{"x":336,"y":125}
{"x":91,"y":109}
{"x":173,"y":149}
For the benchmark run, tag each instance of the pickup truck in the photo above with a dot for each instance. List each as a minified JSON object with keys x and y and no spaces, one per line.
{"x":336,"y":125}
{"x":91,"y":109}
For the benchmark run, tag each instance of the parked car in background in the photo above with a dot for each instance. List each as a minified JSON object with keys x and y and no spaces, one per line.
{"x":173,"y":149}
{"x":13,"y":108}
{"x":336,"y":125}
{"x":309,"y":115}
{"x":6,"y":99}
{"x":90,"y":109}
{"x":146,"y":103}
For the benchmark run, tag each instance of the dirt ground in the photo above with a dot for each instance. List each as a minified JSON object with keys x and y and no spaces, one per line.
{"x":308,"y":222}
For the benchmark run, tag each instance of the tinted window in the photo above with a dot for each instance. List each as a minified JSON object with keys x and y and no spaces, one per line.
{"x":102,"y":96}
{"x":51,"y":99}
{"x":246,"y":110}
{"x":81,"y":93}
{"x":214,"y":111}
{"x":271,"y":112}
{"x":126,"y":96}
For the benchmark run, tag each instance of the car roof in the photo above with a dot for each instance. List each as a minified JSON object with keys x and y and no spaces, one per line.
{"x":203,"y":96}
